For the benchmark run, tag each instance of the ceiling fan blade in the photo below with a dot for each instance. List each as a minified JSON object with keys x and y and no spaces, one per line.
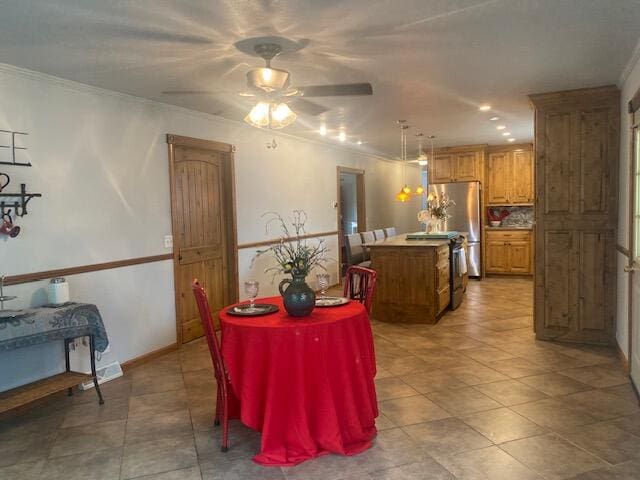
{"x":340,"y":90}
{"x":305,"y":106}
{"x":190,"y":92}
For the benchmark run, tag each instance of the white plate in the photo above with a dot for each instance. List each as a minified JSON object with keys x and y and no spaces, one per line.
{"x":331,"y":301}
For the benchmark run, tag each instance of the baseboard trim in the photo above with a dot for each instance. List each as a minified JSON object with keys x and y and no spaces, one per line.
{"x":622,"y":357}
{"x":147,"y":357}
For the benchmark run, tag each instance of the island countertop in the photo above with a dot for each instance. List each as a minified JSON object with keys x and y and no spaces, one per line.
{"x":401,"y":241}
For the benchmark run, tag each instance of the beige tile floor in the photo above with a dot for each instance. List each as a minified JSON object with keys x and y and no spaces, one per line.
{"x":473,"y":397}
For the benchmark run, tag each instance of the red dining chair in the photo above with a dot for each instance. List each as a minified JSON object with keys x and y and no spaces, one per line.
{"x":360,"y":285}
{"x":220,"y":372}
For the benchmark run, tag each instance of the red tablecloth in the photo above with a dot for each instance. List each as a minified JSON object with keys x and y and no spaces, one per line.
{"x":306,"y":384}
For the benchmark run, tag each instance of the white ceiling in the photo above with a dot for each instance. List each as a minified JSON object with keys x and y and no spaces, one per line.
{"x":432,"y":62}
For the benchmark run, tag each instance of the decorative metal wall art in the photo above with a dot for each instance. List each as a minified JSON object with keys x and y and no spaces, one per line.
{"x":14,"y":148}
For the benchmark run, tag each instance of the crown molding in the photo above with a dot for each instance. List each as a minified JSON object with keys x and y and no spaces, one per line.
{"x":635,"y":57}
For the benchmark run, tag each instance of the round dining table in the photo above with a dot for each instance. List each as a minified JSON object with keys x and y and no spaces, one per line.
{"x":307,"y":384}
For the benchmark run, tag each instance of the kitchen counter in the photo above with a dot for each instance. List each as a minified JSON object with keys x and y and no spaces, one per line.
{"x":413,"y":279}
{"x":514,"y":227}
{"x":401,"y":241}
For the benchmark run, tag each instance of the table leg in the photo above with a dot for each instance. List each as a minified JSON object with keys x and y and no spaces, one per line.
{"x":67,"y":363}
{"x":92,"y":353}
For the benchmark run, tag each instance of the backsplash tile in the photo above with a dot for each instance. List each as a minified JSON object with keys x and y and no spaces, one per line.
{"x":518,"y":216}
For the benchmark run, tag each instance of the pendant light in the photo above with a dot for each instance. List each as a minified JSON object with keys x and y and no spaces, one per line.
{"x":422,"y":160}
{"x":405,"y":192}
{"x":271,"y":115}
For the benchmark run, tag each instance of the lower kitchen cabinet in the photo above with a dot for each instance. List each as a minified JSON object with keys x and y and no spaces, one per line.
{"x":509,"y":251}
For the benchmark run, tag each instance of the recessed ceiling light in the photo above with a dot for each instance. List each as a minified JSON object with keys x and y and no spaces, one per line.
{"x":323,"y":130}
{"x":506,"y":134}
{"x":342,"y":136}
{"x":500,"y":127}
{"x":484,"y":108}
{"x":511,"y":140}
{"x":493,"y":119}
{"x":359,"y":142}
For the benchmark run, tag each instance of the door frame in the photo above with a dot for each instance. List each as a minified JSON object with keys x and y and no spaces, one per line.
{"x":361,"y":208}
{"x":229,"y":194}
{"x":633,"y":196}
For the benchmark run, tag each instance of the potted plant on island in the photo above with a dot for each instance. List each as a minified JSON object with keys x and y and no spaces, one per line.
{"x":296,"y":257}
{"x":435,"y":215}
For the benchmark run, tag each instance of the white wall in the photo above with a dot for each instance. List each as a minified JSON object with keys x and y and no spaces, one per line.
{"x":100,"y":162}
{"x":629,"y":86}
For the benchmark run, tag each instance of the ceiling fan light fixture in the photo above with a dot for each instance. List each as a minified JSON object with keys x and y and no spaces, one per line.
{"x":259,"y":115}
{"x":282,"y":115}
{"x":268,"y":79}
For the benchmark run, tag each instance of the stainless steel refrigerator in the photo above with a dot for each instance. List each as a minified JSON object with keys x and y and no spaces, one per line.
{"x":465,"y":217}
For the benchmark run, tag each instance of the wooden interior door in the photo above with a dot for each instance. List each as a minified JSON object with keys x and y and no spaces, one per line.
{"x":522,"y":175}
{"x":204,"y":233}
{"x":498,"y":178}
{"x":467,"y":167}
{"x":576,"y":161}
{"x":360,"y":211}
{"x":634,"y":261}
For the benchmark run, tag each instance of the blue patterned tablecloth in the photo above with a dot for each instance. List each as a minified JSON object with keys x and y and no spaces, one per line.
{"x":45,"y":324}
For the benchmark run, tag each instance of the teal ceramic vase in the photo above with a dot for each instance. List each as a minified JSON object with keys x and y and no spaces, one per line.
{"x":299,"y":299}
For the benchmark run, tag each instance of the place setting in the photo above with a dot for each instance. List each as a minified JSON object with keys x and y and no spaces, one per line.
{"x":252,"y":309}
{"x":324,"y":300}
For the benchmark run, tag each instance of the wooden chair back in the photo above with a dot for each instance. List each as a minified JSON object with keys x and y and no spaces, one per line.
{"x":210,"y":333}
{"x":360,"y":285}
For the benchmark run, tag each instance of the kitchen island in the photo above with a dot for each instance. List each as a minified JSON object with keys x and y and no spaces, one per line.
{"x":413,"y":279}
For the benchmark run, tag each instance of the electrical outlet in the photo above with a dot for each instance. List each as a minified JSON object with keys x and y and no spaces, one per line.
{"x":168,"y":241}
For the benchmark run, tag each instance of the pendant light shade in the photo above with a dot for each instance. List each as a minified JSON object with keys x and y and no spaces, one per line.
{"x":259,"y":115}
{"x":419,"y":190}
{"x":405,"y":192}
{"x":402,"y":196}
{"x":272,"y":115}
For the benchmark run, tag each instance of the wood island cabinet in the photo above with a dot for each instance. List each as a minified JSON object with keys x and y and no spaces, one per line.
{"x":509,"y":251}
{"x":413,"y":279}
{"x":510,"y":177}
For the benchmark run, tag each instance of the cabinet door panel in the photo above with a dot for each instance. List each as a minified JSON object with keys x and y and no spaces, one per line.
{"x":520,"y":256}
{"x":499,"y":178}
{"x":595,"y":170}
{"x":443,"y":169}
{"x":466,"y":167}
{"x":558,"y":164}
{"x":559,"y":281}
{"x":497,"y":257}
{"x":596,"y":281}
{"x":522,"y":177}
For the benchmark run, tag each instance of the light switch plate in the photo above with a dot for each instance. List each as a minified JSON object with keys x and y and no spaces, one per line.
{"x":168,"y":241}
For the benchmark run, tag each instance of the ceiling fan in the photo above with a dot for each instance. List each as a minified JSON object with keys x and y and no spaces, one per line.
{"x":422,"y":159}
{"x":272,"y":86}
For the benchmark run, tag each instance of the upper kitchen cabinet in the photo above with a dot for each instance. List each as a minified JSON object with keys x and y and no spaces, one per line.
{"x":457,"y":164}
{"x":509,"y":174}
